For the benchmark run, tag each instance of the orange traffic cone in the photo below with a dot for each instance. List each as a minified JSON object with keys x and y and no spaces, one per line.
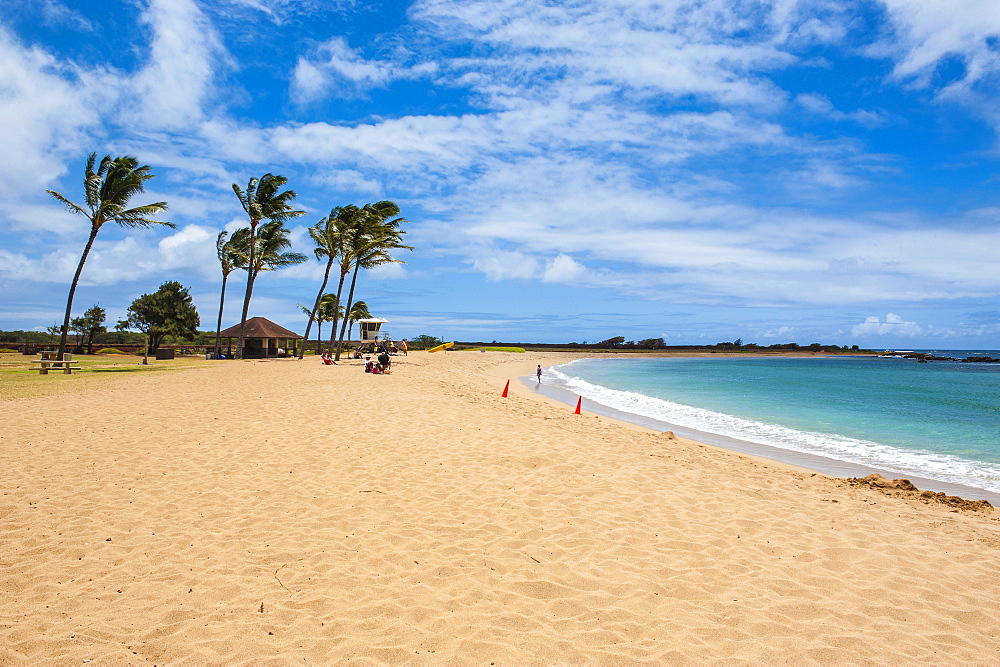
{"x":505,"y":388}
{"x":579,"y":400}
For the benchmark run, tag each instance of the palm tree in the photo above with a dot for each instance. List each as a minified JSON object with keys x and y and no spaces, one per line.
{"x":370,"y":244}
{"x":261,"y":201}
{"x":359,"y":311}
{"x":107,"y":192}
{"x":329,"y":310}
{"x":350,"y":221}
{"x":328,"y":234}
{"x":323,"y":313}
{"x":268,"y":252}
{"x":231,"y":259}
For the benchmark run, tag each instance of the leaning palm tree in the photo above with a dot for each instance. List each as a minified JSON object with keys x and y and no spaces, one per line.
{"x":350,"y":222}
{"x":359,"y":311}
{"x":262,"y":200}
{"x":231,"y":258}
{"x":107,"y":192}
{"x":328,"y":234}
{"x":370,"y":246}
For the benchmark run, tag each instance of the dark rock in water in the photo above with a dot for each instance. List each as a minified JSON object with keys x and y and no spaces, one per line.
{"x":924,"y":357}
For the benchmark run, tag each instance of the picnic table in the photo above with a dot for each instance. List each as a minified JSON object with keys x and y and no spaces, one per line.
{"x":45,"y":365}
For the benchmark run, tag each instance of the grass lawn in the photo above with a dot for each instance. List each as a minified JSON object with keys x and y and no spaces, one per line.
{"x":18,"y":381}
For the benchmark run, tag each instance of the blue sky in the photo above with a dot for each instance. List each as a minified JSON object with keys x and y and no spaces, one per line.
{"x":785,"y":171}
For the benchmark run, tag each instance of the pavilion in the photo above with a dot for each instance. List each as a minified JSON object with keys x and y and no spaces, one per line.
{"x":262,"y":339}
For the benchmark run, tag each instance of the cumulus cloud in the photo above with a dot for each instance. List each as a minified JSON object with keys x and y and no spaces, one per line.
{"x":893,"y":325}
{"x":563,"y":269}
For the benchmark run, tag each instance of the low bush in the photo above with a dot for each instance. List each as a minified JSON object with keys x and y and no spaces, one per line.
{"x":109,"y":350}
{"x":6,"y":350}
{"x":497,"y":349}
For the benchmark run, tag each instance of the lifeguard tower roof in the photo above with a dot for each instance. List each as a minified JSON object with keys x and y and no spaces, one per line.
{"x":370,"y":326}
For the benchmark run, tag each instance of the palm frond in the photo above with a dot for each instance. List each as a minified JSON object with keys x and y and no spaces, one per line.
{"x":70,"y":206}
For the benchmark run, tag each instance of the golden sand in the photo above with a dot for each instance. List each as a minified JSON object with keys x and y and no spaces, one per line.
{"x":289,"y":511}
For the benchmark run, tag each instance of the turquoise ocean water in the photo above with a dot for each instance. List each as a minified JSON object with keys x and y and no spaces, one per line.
{"x":938,"y":420}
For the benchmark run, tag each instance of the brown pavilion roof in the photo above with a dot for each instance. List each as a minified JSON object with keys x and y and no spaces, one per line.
{"x":259,"y":327}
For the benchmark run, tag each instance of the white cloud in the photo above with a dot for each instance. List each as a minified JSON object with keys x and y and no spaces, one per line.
{"x":928,"y":31}
{"x":893,"y":325}
{"x":337,"y":69}
{"x":59,"y":14}
{"x":50,"y":108}
{"x":391,"y":271}
{"x":820,"y":105}
{"x":504,"y":265}
{"x":563,"y":269}
{"x":176,"y":84}
{"x":643,"y":47}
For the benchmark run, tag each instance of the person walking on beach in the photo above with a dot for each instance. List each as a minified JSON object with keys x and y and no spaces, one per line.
{"x":402,"y":344}
{"x":538,"y":374}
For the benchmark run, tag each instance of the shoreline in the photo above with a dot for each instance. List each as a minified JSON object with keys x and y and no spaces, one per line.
{"x":802,"y":460}
{"x":812,"y":462}
{"x":287,"y":511}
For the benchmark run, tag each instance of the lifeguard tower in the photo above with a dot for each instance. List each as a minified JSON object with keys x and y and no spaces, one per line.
{"x":369,"y":328}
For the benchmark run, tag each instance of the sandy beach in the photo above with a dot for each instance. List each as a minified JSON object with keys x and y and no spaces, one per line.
{"x":286,"y":511}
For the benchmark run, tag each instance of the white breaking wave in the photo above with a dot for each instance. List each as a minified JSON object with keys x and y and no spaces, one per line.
{"x":942,"y":467}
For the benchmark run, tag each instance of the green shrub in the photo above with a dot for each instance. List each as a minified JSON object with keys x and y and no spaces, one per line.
{"x":6,"y":350}
{"x":109,"y":350}
{"x":497,"y":349}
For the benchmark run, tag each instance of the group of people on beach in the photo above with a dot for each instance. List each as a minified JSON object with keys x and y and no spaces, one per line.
{"x":382,"y":365}
{"x":387,"y":346}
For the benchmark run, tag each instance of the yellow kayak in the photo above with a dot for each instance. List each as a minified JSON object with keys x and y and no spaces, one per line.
{"x":440,"y":347}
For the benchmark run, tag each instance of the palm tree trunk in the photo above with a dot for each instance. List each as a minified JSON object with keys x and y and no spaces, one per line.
{"x":319,"y":338}
{"x":222,"y":303}
{"x":347,"y":309}
{"x":336,"y":310}
{"x":251,"y":274}
{"x":72,"y":291}
{"x":246,"y":309}
{"x":312,"y":315}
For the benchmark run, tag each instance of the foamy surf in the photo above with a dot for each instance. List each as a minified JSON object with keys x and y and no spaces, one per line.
{"x":932,"y":465}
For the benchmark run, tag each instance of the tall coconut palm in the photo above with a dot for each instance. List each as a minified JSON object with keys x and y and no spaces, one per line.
{"x":107,"y":192}
{"x":230,"y":259}
{"x":370,"y":245}
{"x":350,"y":221}
{"x":328,"y":234}
{"x":359,"y":311}
{"x":262,"y":200}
